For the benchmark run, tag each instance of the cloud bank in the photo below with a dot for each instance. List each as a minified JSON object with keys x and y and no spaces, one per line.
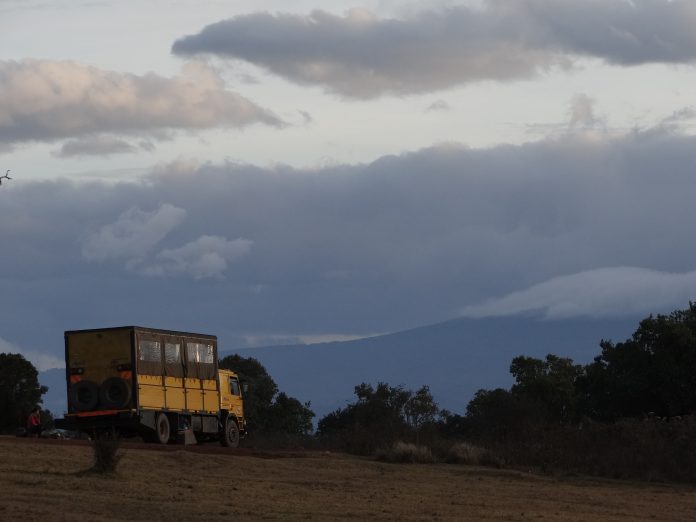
{"x":604,"y":292}
{"x":405,"y":240}
{"x":44,"y":100}
{"x":360,"y":55}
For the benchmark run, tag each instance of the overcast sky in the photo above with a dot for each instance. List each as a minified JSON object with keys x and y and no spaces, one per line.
{"x":271,"y":171}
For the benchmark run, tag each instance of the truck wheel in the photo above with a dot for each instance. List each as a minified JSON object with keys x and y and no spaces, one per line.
{"x":114,"y":393}
{"x":163,"y":428}
{"x":84,"y":395}
{"x":230,"y":435}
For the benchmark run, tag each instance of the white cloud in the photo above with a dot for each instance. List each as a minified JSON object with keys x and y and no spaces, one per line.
{"x":134,"y":234}
{"x":206,"y":257}
{"x":50,"y":100}
{"x":41,"y":361}
{"x":361,"y":55}
{"x":614,"y":291}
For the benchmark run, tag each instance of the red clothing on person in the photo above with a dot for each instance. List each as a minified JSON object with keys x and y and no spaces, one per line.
{"x":34,"y":423}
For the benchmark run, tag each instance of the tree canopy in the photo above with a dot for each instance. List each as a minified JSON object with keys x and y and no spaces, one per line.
{"x":20,"y":390}
{"x":380,"y":416}
{"x":268,"y":411}
{"x":652,"y":372}
{"x":649,"y":374}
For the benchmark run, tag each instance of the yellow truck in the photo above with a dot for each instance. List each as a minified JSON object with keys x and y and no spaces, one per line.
{"x":158,"y":384}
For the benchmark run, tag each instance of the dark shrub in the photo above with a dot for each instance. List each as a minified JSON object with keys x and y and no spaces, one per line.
{"x":106,"y":454}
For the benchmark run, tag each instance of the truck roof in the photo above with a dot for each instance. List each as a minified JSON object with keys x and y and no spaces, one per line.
{"x":144,"y":329}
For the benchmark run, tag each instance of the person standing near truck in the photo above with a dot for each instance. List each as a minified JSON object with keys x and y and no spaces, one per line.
{"x":34,"y":422}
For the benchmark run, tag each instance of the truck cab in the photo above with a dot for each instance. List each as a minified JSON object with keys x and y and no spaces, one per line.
{"x":231,"y":404}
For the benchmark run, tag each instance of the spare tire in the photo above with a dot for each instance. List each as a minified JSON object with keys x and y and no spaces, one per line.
{"x":84,"y":395}
{"x":114,"y":393}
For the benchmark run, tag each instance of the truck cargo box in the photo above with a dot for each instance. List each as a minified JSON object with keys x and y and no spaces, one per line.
{"x":144,"y":380}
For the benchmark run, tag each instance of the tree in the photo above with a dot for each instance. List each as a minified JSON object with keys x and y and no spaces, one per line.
{"x":379,"y":417}
{"x":20,"y":390}
{"x":500,"y":414}
{"x":289,"y":416}
{"x":420,"y":409}
{"x":550,"y":382}
{"x":653,"y":371}
{"x":267,"y":410}
{"x":380,"y":411}
{"x":261,"y":388}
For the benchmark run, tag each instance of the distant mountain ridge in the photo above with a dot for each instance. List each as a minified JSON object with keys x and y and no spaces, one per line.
{"x":455,"y":358}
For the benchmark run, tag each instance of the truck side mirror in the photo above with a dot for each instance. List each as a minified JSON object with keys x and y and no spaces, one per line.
{"x":245,"y":387}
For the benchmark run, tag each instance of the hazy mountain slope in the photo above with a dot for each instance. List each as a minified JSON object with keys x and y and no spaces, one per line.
{"x":454,"y":358}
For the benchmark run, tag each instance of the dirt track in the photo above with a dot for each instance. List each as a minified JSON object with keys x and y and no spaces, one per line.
{"x":209,"y":447}
{"x":47,"y":481}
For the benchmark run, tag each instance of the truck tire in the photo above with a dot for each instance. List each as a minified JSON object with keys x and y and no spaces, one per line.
{"x":162,"y":428}
{"x":84,"y":396}
{"x":114,"y":393}
{"x":230,"y":434}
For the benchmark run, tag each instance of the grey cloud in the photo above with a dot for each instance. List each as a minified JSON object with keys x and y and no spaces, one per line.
{"x":680,"y":116}
{"x":306,"y":117}
{"x":602,"y":292}
{"x":582,"y":112}
{"x":439,"y":105}
{"x":360,"y":55}
{"x":95,"y":146}
{"x":402,"y":241}
{"x":51,"y":100}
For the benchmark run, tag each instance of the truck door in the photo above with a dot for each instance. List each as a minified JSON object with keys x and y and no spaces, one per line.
{"x":236,"y":405}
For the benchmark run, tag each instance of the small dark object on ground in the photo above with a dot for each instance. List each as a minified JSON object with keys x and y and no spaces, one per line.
{"x":58,"y":434}
{"x":106,"y":454}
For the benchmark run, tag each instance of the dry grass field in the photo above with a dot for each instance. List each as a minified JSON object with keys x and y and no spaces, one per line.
{"x":46,"y":482}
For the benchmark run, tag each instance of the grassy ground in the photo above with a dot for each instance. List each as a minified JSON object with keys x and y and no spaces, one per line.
{"x":46,"y":482}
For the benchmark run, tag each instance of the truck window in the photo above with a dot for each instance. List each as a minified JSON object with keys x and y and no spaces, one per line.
{"x":234,"y":386}
{"x":200,"y":360}
{"x":173,"y":363}
{"x":149,"y":351}
{"x":172,"y":353}
{"x":149,"y":357}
